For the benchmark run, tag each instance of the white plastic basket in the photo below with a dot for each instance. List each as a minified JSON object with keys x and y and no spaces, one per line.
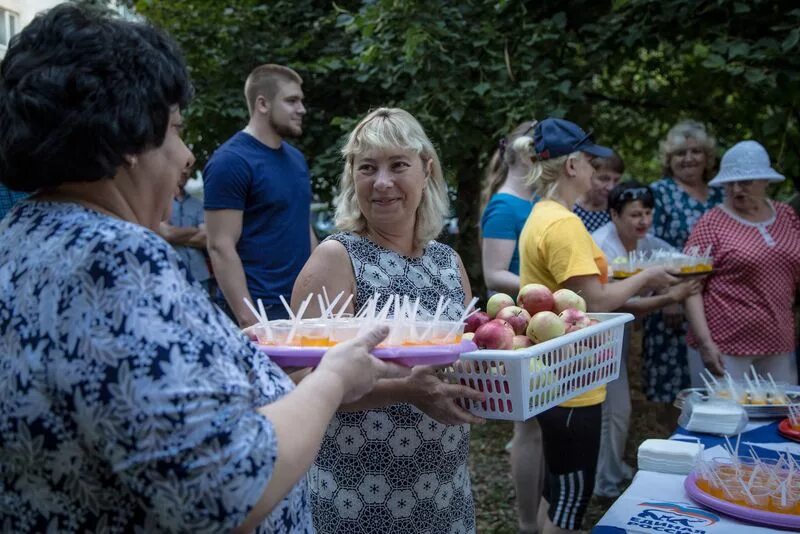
{"x":519,"y":384}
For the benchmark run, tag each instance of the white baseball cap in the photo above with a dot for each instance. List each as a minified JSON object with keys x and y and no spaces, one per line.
{"x":746,"y":160}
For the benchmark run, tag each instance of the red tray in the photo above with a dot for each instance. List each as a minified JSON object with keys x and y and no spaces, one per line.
{"x":773,"y":519}
{"x":407,"y":356}
{"x":785,"y":429}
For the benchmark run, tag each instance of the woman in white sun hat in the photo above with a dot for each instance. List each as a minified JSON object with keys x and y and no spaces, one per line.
{"x":744,"y":314}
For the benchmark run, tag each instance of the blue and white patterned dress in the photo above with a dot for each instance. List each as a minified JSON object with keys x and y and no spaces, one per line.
{"x":127,"y":400}
{"x":666,"y":369}
{"x":395,"y":469}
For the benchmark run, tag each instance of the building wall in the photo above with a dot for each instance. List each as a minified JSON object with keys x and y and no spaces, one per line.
{"x":25,"y":11}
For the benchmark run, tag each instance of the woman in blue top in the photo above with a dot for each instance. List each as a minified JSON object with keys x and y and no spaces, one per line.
{"x":129,"y":402}
{"x":682,"y":196}
{"x":508,"y":201}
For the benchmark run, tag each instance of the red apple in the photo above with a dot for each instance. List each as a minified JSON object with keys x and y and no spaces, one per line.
{"x":521,"y":342}
{"x":516,"y":317}
{"x":496,"y":334}
{"x":545,"y":325}
{"x":535,"y":298}
{"x":565,"y":298}
{"x":497,"y":302}
{"x":475,"y":321}
{"x":574,"y":319}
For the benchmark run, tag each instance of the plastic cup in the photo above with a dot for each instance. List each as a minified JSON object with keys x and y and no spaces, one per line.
{"x":725,"y":469}
{"x":447,"y":332}
{"x":313,"y":334}
{"x":344,"y":330}
{"x":776,"y":504}
{"x":263,"y":334}
{"x":760,"y":497}
{"x":280,"y":333}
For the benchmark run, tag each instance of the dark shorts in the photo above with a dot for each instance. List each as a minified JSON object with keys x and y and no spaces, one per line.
{"x":571,"y":438}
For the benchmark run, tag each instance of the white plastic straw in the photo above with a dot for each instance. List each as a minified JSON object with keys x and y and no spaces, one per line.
{"x":325,"y":295}
{"x":298,"y":318}
{"x":263,"y":312}
{"x":708,"y":385}
{"x":712,"y":377}
{"x":259,"y":318}
{"x":344,"y":306}
{"x":755,"y":376}
{"x":288,"y":308}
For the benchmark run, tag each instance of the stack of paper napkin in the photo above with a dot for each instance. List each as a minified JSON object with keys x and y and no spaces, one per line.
{"x":669,"y":456}
{"x":713,"y":417}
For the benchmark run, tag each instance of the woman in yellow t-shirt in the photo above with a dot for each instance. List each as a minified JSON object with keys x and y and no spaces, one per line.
{"x":557,"y":251}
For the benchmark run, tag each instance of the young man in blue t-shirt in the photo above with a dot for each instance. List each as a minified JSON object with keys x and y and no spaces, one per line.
{"x":258,"y":198}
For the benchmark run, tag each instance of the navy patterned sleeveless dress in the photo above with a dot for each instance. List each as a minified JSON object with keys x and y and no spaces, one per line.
{"x":395,"y":469}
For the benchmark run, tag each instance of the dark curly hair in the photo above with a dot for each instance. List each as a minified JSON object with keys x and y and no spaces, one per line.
{"x":79,"y":90}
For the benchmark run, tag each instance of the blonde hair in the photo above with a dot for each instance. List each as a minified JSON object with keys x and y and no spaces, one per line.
{"x":676,"y":140}
{"x":265,"y":80}
{"x":390,"y":129}
{"x":502,"y":160}
{"x":545,"y":174}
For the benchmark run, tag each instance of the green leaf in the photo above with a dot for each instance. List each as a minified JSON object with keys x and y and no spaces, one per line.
{"x":714,"y":61}
{"x":482,"y":88}
{"x":754,"y":76}
{"x":791,"y":40}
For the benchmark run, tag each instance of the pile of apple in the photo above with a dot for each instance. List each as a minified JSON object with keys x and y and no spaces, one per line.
{"x":537,"y":315}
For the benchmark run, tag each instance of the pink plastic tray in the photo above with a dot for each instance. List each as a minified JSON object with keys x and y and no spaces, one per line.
{"x":407,"y":356}
{"x":787,"y":521}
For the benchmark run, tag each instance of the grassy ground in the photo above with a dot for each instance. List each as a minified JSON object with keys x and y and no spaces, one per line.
{"x":491,"y":471}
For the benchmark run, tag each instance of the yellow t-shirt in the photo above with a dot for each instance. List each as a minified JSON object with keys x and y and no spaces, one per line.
{"x":555,"y":246}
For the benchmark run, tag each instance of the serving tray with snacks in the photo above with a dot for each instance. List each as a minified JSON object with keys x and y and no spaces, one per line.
{"x":771,"y":406}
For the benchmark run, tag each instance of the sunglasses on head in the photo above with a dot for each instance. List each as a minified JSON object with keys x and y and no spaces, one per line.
{"x":636,"y":193}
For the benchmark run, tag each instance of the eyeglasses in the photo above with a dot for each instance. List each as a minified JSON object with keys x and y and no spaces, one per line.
{"x":740,"y":183}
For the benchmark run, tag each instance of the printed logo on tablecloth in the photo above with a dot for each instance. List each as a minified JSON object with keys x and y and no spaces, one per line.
{"x":673,"y":517}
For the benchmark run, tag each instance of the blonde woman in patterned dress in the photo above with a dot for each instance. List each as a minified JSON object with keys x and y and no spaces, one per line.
{"x":396,"y":461}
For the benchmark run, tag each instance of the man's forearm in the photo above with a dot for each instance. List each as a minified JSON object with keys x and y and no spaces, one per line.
{"x":187,"y":236}
{"x":230,"y":276}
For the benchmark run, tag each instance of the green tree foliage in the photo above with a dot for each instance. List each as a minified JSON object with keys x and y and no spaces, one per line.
{"x":471,"y":70}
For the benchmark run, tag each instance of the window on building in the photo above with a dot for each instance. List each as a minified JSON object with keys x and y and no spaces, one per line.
{"x":9,"y":23}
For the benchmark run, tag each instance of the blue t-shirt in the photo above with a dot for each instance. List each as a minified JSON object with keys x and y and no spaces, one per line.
{"x":504,"y":218}
{"x":272,"y":188}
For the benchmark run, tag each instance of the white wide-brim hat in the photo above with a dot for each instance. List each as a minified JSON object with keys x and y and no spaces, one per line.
{"x":746,"y":160}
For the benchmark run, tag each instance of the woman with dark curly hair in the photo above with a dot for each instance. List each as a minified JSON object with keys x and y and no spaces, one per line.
{"x":127,"y":400}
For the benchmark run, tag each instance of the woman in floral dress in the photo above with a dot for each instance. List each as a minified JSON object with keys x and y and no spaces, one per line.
{"x":128,"y":401}
{"x":682,"y":196}
{"x":396,"y":461}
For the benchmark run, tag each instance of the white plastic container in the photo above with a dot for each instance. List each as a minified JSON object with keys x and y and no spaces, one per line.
{"x":518,"y":384}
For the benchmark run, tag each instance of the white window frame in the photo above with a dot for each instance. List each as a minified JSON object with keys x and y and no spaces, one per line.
{"x":5,"y":19}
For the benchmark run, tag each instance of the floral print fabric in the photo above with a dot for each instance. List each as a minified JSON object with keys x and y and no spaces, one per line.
{"x":666,"y":369}
{"x":396,"y":469}
{"x":127,"y":400}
